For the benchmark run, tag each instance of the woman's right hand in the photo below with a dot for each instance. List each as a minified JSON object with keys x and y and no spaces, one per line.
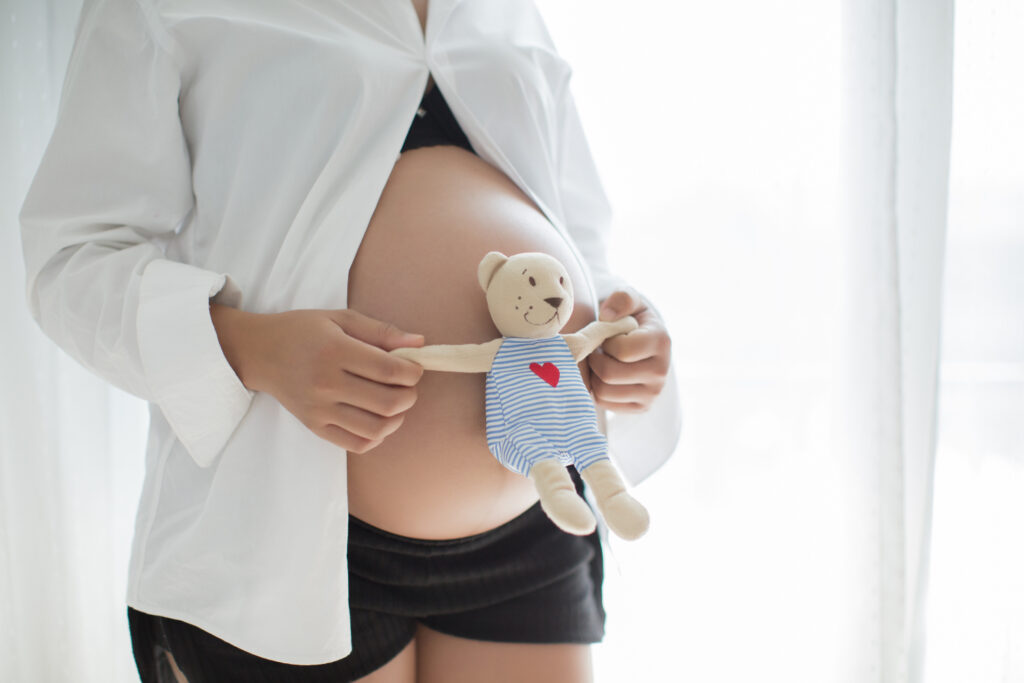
{"x":329,"y":368}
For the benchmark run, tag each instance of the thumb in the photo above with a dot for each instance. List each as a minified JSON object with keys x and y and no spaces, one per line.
{"x":379,"y":333}
{"x":620,"y":303}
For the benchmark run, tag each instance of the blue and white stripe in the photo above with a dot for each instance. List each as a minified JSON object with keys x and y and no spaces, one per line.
{"x":529,"y":420}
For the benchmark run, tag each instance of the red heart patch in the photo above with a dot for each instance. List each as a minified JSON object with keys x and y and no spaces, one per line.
{"x":547,"y":372}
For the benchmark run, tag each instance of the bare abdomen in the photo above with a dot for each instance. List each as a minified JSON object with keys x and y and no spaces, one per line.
{"x":442,"y":209}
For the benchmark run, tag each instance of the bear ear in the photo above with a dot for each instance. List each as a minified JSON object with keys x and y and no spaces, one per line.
{"x":488,"y":267}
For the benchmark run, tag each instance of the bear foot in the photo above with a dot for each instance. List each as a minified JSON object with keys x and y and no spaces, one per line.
{"x":623,"y":513}
{"x":559,"y":500}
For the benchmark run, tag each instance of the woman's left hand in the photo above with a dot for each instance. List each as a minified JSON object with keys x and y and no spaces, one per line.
{"x":628,"y":371}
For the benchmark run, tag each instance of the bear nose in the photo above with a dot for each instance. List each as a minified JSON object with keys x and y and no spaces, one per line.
{"x":555,"y":301}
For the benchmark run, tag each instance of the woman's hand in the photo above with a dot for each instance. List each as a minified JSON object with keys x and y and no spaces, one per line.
{"x":628,"y":371}
{"x":329,"y":368}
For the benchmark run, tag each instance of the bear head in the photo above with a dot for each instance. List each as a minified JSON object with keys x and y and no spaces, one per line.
{"x":529,"y":295}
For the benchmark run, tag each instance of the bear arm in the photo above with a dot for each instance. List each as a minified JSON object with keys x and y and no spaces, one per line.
{"x":582,"y":343}
{"x":452,"y":357}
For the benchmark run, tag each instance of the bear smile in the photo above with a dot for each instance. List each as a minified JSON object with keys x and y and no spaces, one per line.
{"x":553,"y":316}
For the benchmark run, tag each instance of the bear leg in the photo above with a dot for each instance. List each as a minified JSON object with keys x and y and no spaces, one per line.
{"x":623,"y":513}
{"x":558,"y":498}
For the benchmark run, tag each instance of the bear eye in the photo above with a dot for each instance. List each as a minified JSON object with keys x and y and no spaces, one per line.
{"x":533,"y":283}
{"x":561,"y":280}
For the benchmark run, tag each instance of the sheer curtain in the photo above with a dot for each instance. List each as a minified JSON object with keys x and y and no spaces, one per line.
{"x":975,"y":614}
{"x":70,"y":447}
{"x":779,"y":170}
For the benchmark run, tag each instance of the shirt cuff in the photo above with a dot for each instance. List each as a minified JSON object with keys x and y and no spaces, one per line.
{"x":188,"y":376}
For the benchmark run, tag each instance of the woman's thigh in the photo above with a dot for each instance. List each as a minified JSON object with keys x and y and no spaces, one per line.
{"x":441,"y":658}
{"x":401,"y":669}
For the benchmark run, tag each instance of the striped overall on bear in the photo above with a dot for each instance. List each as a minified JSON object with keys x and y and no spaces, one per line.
{"x":538,"y":407}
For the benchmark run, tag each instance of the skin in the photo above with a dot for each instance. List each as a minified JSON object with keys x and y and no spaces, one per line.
{"x":332,"y":370}
{"x":441,"y":210}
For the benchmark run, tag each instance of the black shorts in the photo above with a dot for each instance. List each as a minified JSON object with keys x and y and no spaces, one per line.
{"x":524,"y":582}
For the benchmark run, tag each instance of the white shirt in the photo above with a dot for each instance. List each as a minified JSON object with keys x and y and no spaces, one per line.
{"x":236,"y":149}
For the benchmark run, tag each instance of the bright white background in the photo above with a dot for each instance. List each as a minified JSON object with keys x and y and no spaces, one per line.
{"x":716,"y":127}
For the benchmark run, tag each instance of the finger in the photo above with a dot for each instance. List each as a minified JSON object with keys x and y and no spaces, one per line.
{"x":622,"y":407}
{"x":620,"y":303}
{"x":612,"y":371}
{"x":379,"y":399}
{"x":379,"y":333}
{"x":641,"y":343}
{"x":377,"y":365}
{"x":345,"y":439}
{"x":623,"y":393}
{"x":363,"y":423}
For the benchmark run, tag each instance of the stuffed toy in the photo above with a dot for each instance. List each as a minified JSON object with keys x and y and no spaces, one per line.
{"x":540,"y":416}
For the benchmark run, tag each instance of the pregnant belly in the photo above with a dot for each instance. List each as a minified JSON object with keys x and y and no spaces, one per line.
{"x":442,"y":209}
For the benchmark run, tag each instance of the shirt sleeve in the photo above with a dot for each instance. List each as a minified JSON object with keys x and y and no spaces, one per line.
{"x":113,"y":186}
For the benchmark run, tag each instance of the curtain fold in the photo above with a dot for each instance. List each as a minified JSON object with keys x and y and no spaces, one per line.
{"x":924,"y":121}
{"x":896,"y":124}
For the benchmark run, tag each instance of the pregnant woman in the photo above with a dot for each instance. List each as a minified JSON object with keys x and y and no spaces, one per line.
{"x":244,"y":206}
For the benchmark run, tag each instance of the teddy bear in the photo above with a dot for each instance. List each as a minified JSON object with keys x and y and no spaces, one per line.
{"x":540,"y":415}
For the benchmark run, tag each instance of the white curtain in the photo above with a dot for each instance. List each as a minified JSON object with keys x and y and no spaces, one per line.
{"x":897,"y":116}
{"x":70,"y":447}
{"x":975,"y":613}
{"x":780,"y":172}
